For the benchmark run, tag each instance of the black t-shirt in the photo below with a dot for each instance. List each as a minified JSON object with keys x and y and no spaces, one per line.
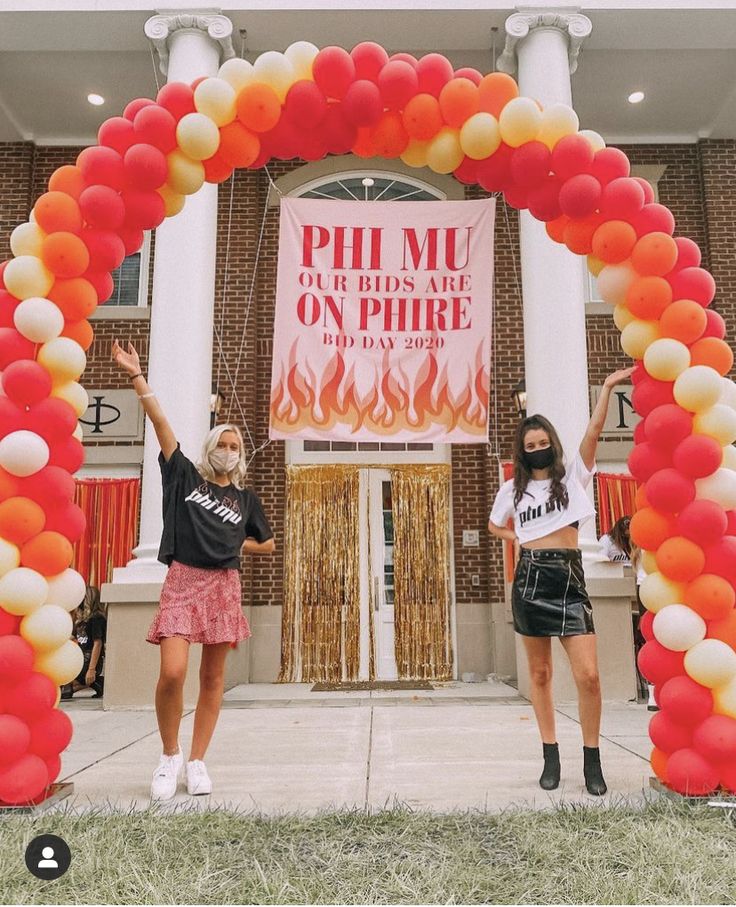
{"x":205,"y":524}
{"x":86,"y":632}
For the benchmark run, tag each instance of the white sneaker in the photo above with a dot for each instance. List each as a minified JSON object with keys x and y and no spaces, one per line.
{"x":198,"y":781}
{"x":166,"y":776}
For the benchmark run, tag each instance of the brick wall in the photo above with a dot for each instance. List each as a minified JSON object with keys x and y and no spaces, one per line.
{"x":699,"y":185}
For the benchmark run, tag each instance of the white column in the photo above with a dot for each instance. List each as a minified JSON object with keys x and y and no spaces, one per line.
{"x":180,"y":345}
{"x":546,"y":45}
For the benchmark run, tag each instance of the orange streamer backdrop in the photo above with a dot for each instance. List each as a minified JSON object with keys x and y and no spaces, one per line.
{"x":111,"y":509}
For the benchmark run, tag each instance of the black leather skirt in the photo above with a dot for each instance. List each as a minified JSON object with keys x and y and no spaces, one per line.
{"x":548,"y":597}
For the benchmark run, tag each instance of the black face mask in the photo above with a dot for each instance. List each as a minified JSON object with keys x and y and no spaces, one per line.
{"x":539,"y":459}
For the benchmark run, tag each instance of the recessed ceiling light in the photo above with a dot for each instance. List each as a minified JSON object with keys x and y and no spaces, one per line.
{"x":95,"y":99}
{"x":635,"y":97}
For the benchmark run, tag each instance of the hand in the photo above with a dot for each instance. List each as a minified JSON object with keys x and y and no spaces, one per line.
{"x":618,"y":377}
{"x":89,"y":677}
{"x":127,"y":360}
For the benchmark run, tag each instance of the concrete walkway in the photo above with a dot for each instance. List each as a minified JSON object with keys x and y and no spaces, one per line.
{"x":280,"y":748}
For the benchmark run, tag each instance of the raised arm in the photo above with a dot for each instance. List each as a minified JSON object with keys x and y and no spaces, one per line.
{"x":598,"y":417}
{"x":130,"y":363}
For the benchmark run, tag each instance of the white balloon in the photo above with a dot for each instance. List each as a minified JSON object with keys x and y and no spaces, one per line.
{"x":27,"y":239}
{"x":64,"y":358}
{"x":711,"y":663}
{"x":9,"y":557}
{"x":729,"y":457}
{"x":301,"y":55}
{"x":719,"y":486}
{"x":66,"y":589}
{"x":238,"y":73}
{"x":23,"y":452}
{"x":728,"y":394}
{"x":38,"y":319}
{"x":614,"y":281}
{"x":22,"y":590}
{"x":595,"y":139}
{"x":46,"y":628}
{"x":678,"y":627}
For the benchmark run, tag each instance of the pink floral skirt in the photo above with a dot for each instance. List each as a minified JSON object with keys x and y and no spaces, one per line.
{"x":200,"y":605}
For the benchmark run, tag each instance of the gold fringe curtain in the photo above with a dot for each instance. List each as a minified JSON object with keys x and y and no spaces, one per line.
{"x":421,"y":515}
{"x":616,"y":498}
{"x":320,"y":635}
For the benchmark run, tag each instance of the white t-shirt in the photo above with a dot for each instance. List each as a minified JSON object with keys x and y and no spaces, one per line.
{"x":535,"y":516}
{"x":610,"y":550}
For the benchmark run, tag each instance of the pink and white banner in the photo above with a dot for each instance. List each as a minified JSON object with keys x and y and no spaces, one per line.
{"x":383,"y":321}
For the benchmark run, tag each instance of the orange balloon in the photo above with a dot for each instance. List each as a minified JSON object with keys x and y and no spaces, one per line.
{"x":76,"y":297}
{"x":713,"y":352}
{"x":9,"y":485}
{"x":556,"y":228}
{"x":711,"y":596}
{"x":258,"y":107}
{"x":65,"y":255}
{"x":724,"y":629}
{"x":613,"y":241}
{"x":578,"y":235}
{"x":640,"y":499}
{"x":216,"y":170}
{"x":683,"y":320}
{"x":389,"y":136}
{"x":363,"y":145}
{"x":495,"y":91}
{"x":80,"y":331}
{"x":654,"y":255}
{"x":649,"y":528}
{"x":422,"y":117}
{"x":680,"y":559}
{"x":20,"y":519}
{"x":57,"y":211}
{"x":68,"y":179}
{"x":658,"y":761}
{"x":239,"y":147}
{"x":648,"y":297}
{"x":48,"y":553}
{"x":459,"y":101}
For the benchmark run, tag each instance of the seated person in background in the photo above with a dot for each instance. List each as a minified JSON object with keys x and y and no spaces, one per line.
{"x":616,"y":544}
{"x":90,"y":630}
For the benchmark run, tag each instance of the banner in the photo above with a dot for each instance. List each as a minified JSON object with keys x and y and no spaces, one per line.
{"x":383,"y":321}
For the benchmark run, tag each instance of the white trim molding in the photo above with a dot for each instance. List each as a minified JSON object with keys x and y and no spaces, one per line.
{"x":570,"y":20}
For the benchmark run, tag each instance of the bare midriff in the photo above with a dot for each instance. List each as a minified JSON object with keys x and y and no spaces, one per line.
{"x":566,"y":537}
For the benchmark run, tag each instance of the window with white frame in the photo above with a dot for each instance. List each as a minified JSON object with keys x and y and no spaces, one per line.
{"x":130,"y":282}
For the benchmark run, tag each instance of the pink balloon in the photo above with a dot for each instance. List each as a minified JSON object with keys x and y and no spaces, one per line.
{"x":467,"y":72}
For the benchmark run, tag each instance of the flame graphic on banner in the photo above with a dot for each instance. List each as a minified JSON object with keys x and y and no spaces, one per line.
{"x":382,"y":399}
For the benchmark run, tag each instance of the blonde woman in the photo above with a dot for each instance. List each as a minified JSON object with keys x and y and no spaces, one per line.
{"x":209,"y":519}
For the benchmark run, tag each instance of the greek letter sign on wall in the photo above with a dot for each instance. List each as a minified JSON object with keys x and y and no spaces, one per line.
{"x":383,"y":321}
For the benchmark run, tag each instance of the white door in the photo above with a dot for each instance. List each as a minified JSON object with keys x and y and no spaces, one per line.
{"x":381,"y":569}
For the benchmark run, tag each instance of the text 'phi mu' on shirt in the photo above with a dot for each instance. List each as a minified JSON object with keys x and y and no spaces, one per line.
{"x":535,"y":515}
{"x":205,"y":524}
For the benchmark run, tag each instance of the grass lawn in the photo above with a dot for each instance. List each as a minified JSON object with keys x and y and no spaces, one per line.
{"x":661,"y":853}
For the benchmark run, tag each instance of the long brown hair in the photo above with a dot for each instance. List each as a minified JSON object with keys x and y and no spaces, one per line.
{"x":522,"y":473}
{"x":620,"y":536}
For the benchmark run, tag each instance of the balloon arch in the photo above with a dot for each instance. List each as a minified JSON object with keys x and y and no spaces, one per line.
{"x":307,"y":104}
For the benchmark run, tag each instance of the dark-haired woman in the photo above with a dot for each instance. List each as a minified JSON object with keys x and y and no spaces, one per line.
{"x":548,"y":501}
{"x":615,"y":545}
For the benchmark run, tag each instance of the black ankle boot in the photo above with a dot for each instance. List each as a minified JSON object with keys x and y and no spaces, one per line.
{"x":594,"y":782}
{"x":550,"y":777}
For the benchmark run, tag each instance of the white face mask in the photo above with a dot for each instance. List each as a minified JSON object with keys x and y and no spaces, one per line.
{"x":223,"y":461}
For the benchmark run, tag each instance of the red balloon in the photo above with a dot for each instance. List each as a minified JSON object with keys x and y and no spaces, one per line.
{"x":30,"y":696}
{"x":132,"y":107}
{"x":544,"y":200}
{"x":283,"y":140}
{"x":16,"y":658}
{"x":494,"y":172}
{"x":622,"y":198}
{"x":398,"y":82}
{"x":690,"y":774}
{"x":639,"y":432}
{"x":51,"y":487}
{"x":102,"y":165}
{"x":715,"y":739}
{"x":26,"y":382}
{"x":16,"y":738}
{"x":23,"y":780}
{"x":67,"y":453}
{"x":178,"y":99}
{"x":8,"y":305}
{"x":106,"y":249}
{"x":52,"y":419}
{"x":650,"y":393}
{"x":50,"y":734}
{"x":155,"y":126}
{"x":338,"y":133}
{"x":572,"y":155}
{"x":102,"y":207}
{"x":731,"y":518}
{"x":14,"y":346}
{"x":143,"y":210}
{"x":688,"y":253}
{"x":720,"y":559}
{"x":12,"y":416}
{"x":669,"y":491}
{"x":658,"y":664}
{"x":693,"y":283}
{"x":580,"y":195}
{"x":9,"y":624}
{"x":702,"y":521}
{"x":145,"y":166}
{"x":666,"y":426}
{"x":646,"y":459}
{"x":313,"y":147}
{"x":697,"y":456}
{"x":653,"y":218}
{"x":362,"y":103}
{"x":116,"y":133}
{"x":646,"y":188}
{"x":645,"y":625}
{"x":516,"y":197}
{"x":305,"y":104}
{"x":405,"y":58}
{"x":467,"y":72}
{"x":369,"y":58}
{"x":102,"y":284}
{"x":334,"y":71}
{"x":530,"y":164}
{"x":715,"y":325}
{"x":467,"y":172}
{"x":434,"y":72}
{"x":53,"y":766}
{"x":132,"y":239}
{"x":667,"y":734}
{"x":609,"y":164}
{"x":68,"y":519}
{"x":686,"y":701}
